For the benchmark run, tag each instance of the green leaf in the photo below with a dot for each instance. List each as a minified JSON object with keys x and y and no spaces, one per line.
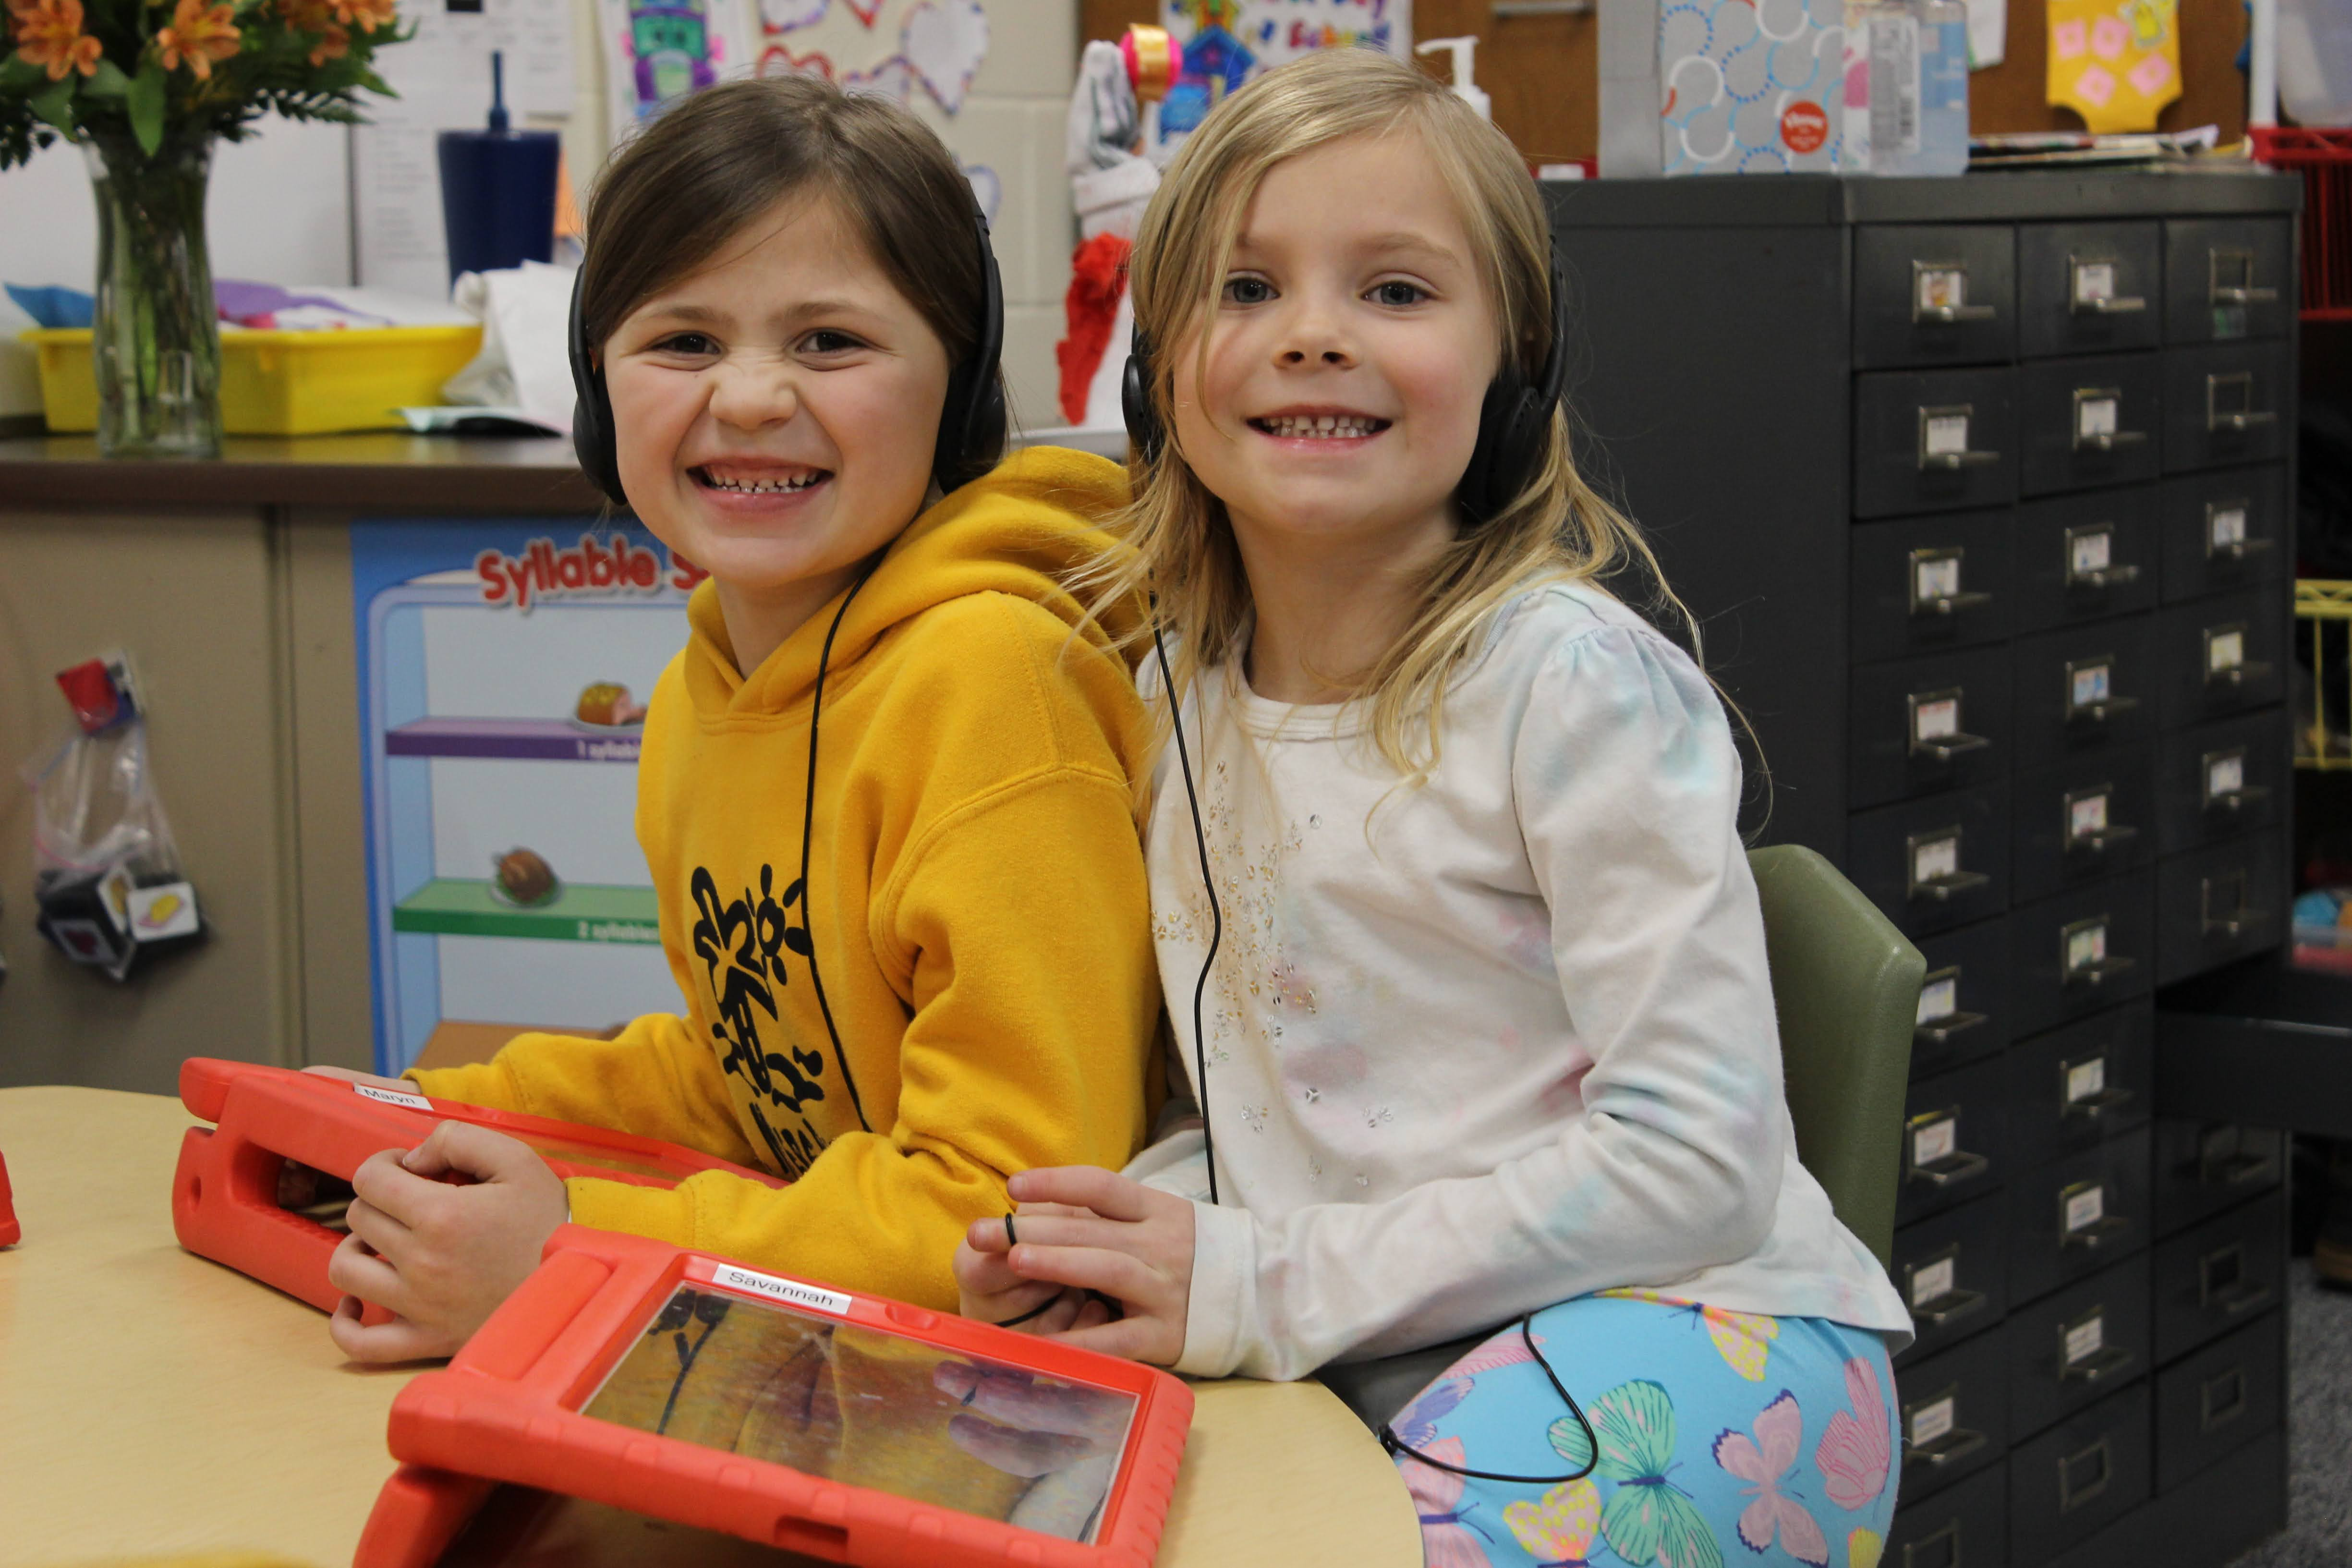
{"x":17,"y":73}
{"x":108,"y":81}
{"x":146,"y":105}
{"x":54,"y":104}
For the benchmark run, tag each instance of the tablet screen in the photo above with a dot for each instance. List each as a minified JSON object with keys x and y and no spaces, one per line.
{"x":865,"y":1407}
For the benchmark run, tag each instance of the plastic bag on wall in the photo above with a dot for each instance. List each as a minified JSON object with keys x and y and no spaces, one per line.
{"x":106,"y":878}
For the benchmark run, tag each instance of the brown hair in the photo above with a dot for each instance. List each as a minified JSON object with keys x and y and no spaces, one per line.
{"x":678,"y":191}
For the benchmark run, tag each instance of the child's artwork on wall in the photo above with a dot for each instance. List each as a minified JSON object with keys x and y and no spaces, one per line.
{"x":1223,"y":43}
{"x":783,"y":16}
{"x":943,"y":43}
{"x":2116,"y":63}
{"x":660,"y":50}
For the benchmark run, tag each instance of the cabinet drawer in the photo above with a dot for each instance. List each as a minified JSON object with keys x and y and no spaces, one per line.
{"x":1963,"y":999}
{"x":2218,"y":903}
{"x":2224,"y":530}
{"x":2079,"y":952}
{"x":1954,"y":1275}
{"x":2087,"y":422}
{"x":1941,"y":441}
{"x":2084,"y":558}
{"x":2089,"y":817}
{"x":2086,"y":1472}
{"x":2085,"y":688}
{"x":2218,"y":781}
{"x":2088,"y":287}
{"x":1966,"y":1526}
{"x":2204,"y":1167}
{"x":2221,"y":655}
{"x":2078,"y":1346}
{"x":2221,"y":1399}
{"x":2074,"y":1088}
{"x":1934,"y":722}
{"x":1934,"y":294}
{"x":1934,"y":863}
{"x":2227,"y":277}
{"x":2220,"y":1275}
{"x":1926,"y":583}
{"x":1955,"y":1415}
{"x":2075,"y":1216}
{"x":1953,"y":1148}
{"x":2222,"y":405}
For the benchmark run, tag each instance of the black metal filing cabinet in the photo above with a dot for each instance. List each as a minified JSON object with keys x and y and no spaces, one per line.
{"x":1978,"y":488}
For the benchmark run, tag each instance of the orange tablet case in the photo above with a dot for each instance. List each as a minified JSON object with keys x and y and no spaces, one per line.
{"x":510,"y":1409}
{"x":224,"y":1192}
{"x":11,"y":1232}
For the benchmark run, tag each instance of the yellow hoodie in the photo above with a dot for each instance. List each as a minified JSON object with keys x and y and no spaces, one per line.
{"x":978,"y":915}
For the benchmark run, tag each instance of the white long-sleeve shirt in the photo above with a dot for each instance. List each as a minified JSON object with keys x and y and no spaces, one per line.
{"x":1484,"y":1045}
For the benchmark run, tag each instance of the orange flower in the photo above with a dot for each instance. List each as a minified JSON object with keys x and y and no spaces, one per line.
{"x":198,"y":33}
{"x":48,"y":33}
{"x":365,"y":14}
{"x":307,"y":16}
{"x":334,"y":43}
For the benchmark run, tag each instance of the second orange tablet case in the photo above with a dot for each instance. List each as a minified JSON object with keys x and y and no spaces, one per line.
{"x":224,"y":1192}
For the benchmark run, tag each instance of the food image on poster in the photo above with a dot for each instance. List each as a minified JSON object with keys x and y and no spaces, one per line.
{"x":855,"y":1405}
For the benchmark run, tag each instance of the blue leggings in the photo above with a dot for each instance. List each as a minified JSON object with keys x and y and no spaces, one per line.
{"x":1724,"y":1437}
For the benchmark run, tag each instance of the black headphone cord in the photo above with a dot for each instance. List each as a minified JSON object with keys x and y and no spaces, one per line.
{"x":808,"y":823}
{"x":1208,"y":884}
{"x":1394,"y":1445}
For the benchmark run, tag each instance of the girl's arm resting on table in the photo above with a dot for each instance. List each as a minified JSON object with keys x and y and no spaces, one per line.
{"x":1628,"y":792}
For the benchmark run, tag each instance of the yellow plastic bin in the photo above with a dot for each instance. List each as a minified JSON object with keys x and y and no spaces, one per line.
{"x":282,"y":384}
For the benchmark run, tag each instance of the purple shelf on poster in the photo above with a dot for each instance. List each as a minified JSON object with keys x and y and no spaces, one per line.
{"x":528,"y":740}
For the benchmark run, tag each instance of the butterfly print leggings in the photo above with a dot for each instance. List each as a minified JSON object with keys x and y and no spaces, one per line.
{"x":1723,"y":1437}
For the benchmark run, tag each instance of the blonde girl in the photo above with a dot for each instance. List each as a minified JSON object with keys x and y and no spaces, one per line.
{"x":1487,"y":1048}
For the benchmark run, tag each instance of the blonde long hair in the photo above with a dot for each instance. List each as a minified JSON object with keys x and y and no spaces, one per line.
{"x":1556,"y":528}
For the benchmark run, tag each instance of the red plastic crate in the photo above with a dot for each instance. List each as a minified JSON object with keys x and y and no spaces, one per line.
{"x":2323,"y":158}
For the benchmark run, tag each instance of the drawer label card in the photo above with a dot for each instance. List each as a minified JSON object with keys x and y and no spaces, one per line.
{"x":2090,"y":551}
{"x":1934,"y":1419}
{"x":1932,"y":1280}
{"x":2225,"y":526}
{"x":2094,"y":415}
{"x":1935,"y":719}
{"x":2086,"y":1079}
{"x":1941,"y":289}
{"x":2089,"y":685}
{"x":2094,"y":282}
{"x":1936,"y":858}
{"x":2086,"y":946}
{"x":1939,"y":998}
{"x":1944,"y":435}
{"x":2225,"y":775}
{"x":1939,"y":1140}
{"x":2085,"y":1209}
{"x":2087,"y":1339}
{"x":1935,"y":578}
{"x":2225,"y":649}
{"x":2086,"y":815}
{"x":402,"y":1097}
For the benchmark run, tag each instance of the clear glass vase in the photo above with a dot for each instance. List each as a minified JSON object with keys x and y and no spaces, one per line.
{"x":157,"y":344}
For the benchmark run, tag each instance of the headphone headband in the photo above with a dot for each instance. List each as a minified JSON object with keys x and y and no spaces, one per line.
{"x":973,"y":422}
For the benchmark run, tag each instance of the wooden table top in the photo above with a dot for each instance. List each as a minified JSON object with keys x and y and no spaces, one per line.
{"x":153,"y":1402}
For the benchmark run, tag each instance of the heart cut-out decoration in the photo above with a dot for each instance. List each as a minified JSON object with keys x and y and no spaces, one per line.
{"x":944,"y":41}
{"x":783,"y":16}
{"x":866,"y":10}
{"x":892,"y":78}
{"x":986,"y":188}
{"x":778,"y":60}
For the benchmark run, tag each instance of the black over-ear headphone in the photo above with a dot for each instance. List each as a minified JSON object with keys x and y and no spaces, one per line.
{"x":1514,"y":420}
{"x":971,"y":426}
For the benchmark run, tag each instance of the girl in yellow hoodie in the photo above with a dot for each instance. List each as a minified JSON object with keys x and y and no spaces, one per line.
{"x":886,"y":791}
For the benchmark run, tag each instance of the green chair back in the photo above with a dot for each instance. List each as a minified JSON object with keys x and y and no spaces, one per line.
{"x":1846,"y":984}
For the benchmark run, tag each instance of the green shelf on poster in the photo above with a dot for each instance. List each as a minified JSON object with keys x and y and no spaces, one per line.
{"x":455,"y":906}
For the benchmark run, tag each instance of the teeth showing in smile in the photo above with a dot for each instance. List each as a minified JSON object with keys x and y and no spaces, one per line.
{"x":762,"y":487}
{"x":1320,"y":426}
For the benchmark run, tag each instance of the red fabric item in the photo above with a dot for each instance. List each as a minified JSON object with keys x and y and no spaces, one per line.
{"x":1097,"y":278}
{"x":10,"y":1232}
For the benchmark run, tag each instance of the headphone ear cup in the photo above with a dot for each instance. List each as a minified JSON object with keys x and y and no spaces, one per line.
{"x":1477,"y":494}
{"x":592,"y":409}
{"x":974,"y":423}
{"x":1135,"y":406}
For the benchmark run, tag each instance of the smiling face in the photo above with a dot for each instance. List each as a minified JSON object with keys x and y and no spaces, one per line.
{"x":1348,"y":353}
{"x":777,"y":411}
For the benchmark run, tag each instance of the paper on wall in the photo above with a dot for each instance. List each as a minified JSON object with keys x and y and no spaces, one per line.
{"x":655,"y":50}
{"x":1987,"y":33}
{"x":1221,"y":44}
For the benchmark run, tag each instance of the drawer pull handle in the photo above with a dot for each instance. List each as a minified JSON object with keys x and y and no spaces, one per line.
{"x":1948,"y":1449}
{"x":2122,"y":305}
{"x":1915,"y":1553}
{"x":1944,"y":315}
{"x":1941,"y":1031}
{"x":2105,"y":577}
{"x":1941,"y":889}
{"x":2242,"y":296}
{"x":1948,"y":1308}
{"x":2246,"y":1296}
{"x":2239,"y":549}
{"x":2101,"y":712}
{"x":1944,"y":748}
{"x":1952,"y":461}
{"x":2237,"y":1170}
{"x":2099,"y":971}
{"x":2096,"y":1368}
{"x":2104,"y":839}
{"x":2098,"y":1234}
{"x":2240,"y":421}
{"x":2240,"y":798}
{"x":1950,"y":603}
{"x":2093,"y":1106}
{"x":2073,"y":1494}
{"x":2237,"y":675}
{"x":2237,"y":925}
{"x":2109,"y":440}
{"x":1953,"y":1168}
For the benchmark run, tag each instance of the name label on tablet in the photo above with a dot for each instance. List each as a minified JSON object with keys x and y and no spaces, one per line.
{"x":790,"y":1292}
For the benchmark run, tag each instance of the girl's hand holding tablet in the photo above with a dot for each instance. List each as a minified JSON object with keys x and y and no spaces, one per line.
{"x":1086,"y":1229}
{"x":439,"y":1237}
